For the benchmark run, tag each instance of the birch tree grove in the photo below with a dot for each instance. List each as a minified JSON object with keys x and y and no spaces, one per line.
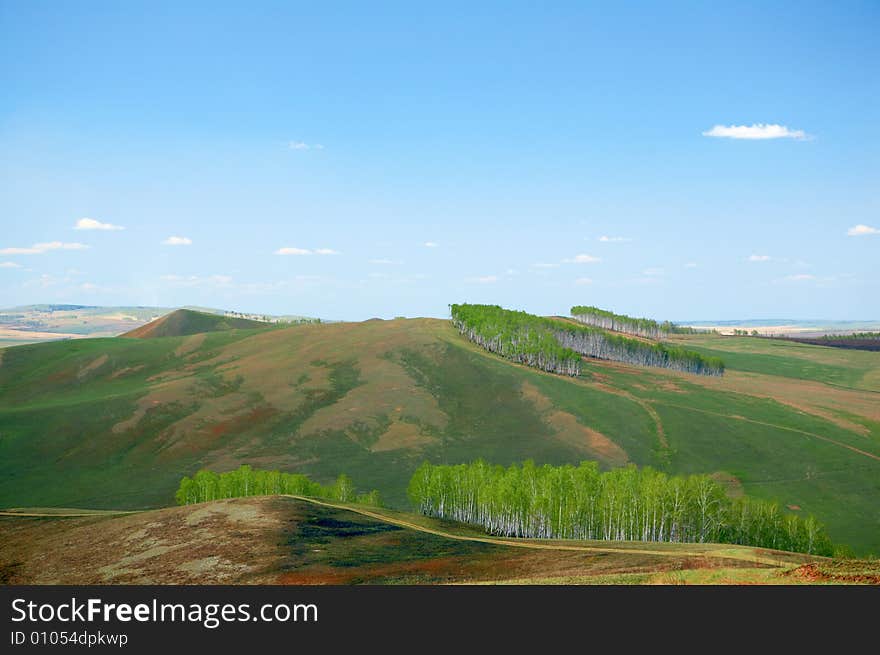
{"x":557,"y":347}
{"x":601,"y":318}
{"x":640,"y":327}
{"x":629,"y":504}
{"x":246,"y":481}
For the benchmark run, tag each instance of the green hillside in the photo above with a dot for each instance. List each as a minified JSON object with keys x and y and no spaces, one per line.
{"x":184,"y":322}
{"x":116,"y":423}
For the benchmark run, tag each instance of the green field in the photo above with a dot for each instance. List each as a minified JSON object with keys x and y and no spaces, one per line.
{"x":115,"y":423}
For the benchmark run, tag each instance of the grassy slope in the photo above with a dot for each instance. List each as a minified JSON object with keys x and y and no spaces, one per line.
{"x":116,"y":422}
{"x":275,"y":540}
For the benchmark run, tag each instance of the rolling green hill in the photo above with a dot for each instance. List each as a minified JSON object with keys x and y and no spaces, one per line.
{"x":116,"y":423}
{"x":184,"y":322}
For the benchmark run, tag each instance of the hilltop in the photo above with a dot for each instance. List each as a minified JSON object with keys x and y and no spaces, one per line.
{"x":185,"y":322}
{"x":115,"y":423}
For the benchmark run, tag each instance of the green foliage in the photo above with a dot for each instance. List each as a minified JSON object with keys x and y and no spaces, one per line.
{"x":556,"y":347}
{"x":624,"y":504}
{"x":517,"y":336}
{"x":246,"y":481}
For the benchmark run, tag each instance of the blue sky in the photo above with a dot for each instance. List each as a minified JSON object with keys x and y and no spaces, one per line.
{"x":410,"y":157}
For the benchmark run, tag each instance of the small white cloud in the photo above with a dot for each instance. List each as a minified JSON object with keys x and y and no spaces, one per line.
{"x":92,"y":224}
{"x":301,"y":145}
{"x":544,"y":265}
{"x":691,"y":265}
{"x":653,"y":272}
{"x":290,"y":250}
{"x":861,"y":230}
{"x":381,"y":262}
{"x":606,"y":239}
{"x":88,"y":286}
{"x":755,"y":131}
{"x":177,"y":241}
{"x":582,"y":259}
{"x":22,"y":251}
{"x":760,"y":258}
{"x":583,"y":281}
{"x":9,"y":265}
{"x":41,"y":248}
{"x":800,"y":277}
{"x":486,"y":279}
{"x":431,"y":244}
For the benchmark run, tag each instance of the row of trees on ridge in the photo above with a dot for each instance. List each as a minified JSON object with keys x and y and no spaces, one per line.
{"x":641,"y":327}
{"x":602,"y":318}
{"x":246,"y":481}
{"x":631,"y":504}
{"x":554,"y":346}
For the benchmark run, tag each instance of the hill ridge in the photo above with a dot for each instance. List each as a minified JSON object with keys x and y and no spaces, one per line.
{"x":186,"y":322}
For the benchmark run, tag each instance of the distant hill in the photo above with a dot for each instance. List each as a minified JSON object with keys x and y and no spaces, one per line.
{"x":184,"y":322}
{"x":39,"y":323}
{"x":56,"y":322}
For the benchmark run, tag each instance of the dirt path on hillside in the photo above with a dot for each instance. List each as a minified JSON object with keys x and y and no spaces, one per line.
{"x":732,"y":553}
{"x":779,"y":427}
{"x":644,"y":404}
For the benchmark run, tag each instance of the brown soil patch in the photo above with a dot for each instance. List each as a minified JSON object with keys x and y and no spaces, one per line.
{"x":190,"y":344}
{"x":569,"y":430}
{"x":815,"y":572}
{"x":94,"y":365}
{"x":125,"y":371}
{"x":732,"y":485}
{"x":807,"y":396}
{"x":401,"y":435}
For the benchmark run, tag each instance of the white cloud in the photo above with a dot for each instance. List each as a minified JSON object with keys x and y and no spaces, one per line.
{"x":88,"y":286}
{"x":381,"y":262}
{"x":431,"y":244}
{"x":605,"y":239}
{"x":582,"y":259}
{"x":653,"y":272}
{"x":92,"y":224}
{"x":691,"y":265}
{"x":544,"y":265}
{"x":41,"y":248}
{"x":486,"y":279}
{"x":800,"y":277}
{"x":300,"y":145}
{"x":755,"y":131}
{"x":177,"y":241}
{"x":583,"y":281}
{"x":290,"y":250}
{"x":861,"y":230}
{"x":9,"y":265}
{"x":760,"y":258}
